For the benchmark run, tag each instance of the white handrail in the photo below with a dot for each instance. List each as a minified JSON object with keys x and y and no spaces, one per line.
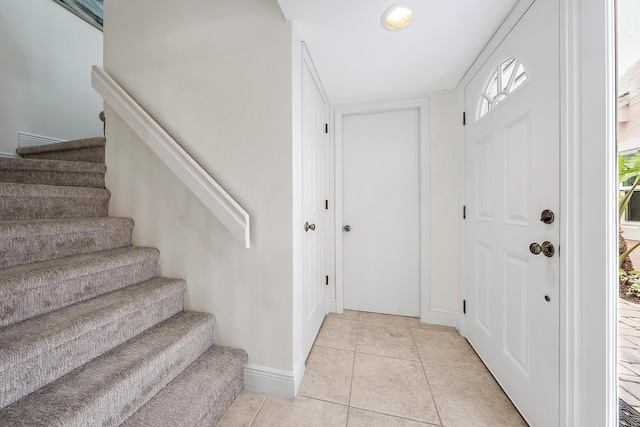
{"x":214,"y":197}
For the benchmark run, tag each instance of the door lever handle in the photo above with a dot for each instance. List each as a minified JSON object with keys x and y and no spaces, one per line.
{"x":308,"y":226}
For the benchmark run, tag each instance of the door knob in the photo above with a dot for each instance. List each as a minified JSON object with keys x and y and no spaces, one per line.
{"x":547,"y":216}
{"x":308,"y":226}
{"x":547,"y":249}
{"x":347,"y":228}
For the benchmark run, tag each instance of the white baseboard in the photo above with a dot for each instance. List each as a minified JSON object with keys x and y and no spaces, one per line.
{"x":29,"y":139}
{"x":333,"y":306}
{"x":12,"y":155}
{"x":298,"y":373}
{"x":273,"y":381}
{"x":444,"y":318}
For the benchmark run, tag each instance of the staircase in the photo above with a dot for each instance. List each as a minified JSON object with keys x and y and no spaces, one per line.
{"x":89,"y":334}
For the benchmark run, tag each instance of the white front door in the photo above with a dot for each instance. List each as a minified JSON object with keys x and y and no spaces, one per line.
{"x":381,"y":211}
{"x":512,"y":148}
{"x":315,"y":299}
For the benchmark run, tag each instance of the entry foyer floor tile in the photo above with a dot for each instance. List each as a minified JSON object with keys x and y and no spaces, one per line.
{"x":368,"y":369}
{"x":386,"y":340}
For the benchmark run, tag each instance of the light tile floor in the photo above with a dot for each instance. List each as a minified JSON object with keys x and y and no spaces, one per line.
{"x":369,"y":369}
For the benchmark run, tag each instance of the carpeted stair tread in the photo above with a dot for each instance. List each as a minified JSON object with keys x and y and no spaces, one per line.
{"x":40,"y":239}
{"x":31,"y":289}
{"x":199,"y":396}
{"x":87,"y":149}
{"x":52,"y":172}
{"x":73,"y":144}
{"x":31,"y":201}
{"x":12,"y":189}
{"x":41,"y":349}
{"x":109,"y":389}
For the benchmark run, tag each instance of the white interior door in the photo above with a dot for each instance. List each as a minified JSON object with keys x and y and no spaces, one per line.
{"x":315,"y":296}
{"x":381,"y":208}
{"x":511,"y":177}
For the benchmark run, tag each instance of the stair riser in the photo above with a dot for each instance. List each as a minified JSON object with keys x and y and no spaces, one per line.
{"x":70,"y":179}
{"x":148,"y":381}
{"x":15,"y":208}
{"x":109,"y":389}
{"x":216,"y":408}
{"x":23,"y":305}
{"x":200,"y":395}
{"x":22,"y":379}
{"x":22,"y":250}
{"x":92,"y":154}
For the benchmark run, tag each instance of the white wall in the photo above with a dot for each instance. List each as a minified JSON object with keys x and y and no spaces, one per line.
{"x":45,"y":73}
{"x":218,"y":76}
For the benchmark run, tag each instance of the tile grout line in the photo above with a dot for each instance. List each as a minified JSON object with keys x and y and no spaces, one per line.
{"x":433,"y":399}
{"x":258,"y":411}
{"x":396,"y":416}
{"x":353,"y":367}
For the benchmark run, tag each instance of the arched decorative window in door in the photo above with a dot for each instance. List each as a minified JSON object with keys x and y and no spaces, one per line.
{"x":506,"y":78}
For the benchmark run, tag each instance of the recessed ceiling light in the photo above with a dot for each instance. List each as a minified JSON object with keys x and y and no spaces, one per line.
{"x":397,"y":16}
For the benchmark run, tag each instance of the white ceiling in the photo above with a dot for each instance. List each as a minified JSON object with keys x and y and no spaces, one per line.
{"x":356,"y":58}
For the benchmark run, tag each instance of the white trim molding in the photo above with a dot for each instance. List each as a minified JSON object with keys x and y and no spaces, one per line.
{"x":589,"y":248}
{"x":444,"y":318}
{"x":30,"y":139}
{"x":347,"y":109}
{"x":203,"y":186}
{"x":273,"y":381}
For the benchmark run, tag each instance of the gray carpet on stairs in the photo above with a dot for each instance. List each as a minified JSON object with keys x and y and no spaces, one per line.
{"x":52,"y":172}
{"x":89,"y":335}
{"x":38,"y":240}
{"x":41,"y":349}
{"x":33,"y":201}
{"x":31,"y":289}
{"x":199,"y":396}
{"x":110,"y":388}
{"x":81,"y":150}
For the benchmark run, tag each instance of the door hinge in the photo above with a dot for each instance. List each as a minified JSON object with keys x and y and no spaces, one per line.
{"x":464,"y":212}
{"x":464,"y":118}
{"x":326,"y":204}
{"x":326,"y":128}
{"x":326,"y":280}
{"x":464,"y":306}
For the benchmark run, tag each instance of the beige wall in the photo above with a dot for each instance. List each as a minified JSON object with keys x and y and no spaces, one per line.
{"x":218,"y":76}
{"x":46,"y":54}
{"x":444,"y":147}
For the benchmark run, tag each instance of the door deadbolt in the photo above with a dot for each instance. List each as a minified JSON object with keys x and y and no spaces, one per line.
{"x":546,"y":248}
{"x":347,"y":228}
{"x":308,"y":226}
{"x":547,"y":216}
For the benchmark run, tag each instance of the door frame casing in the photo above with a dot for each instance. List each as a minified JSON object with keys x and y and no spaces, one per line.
{"x":588,"y":248}
{"x":344,"y":110}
